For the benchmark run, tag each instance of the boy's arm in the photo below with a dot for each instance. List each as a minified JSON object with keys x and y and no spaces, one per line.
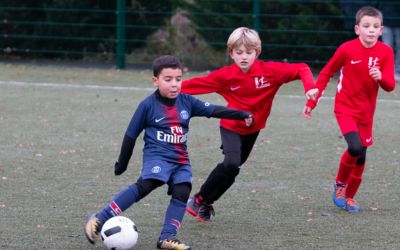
{"x":387,"y":81}
{"x":233,"y":114}
{"x":334,"y":64}
{"x":322,"y":82}
{"x":306,"y":77}
{"x":202,"y":85}
{"x":135,"y":127}
{"x":288,"y":72}
{"x":125,"y":155}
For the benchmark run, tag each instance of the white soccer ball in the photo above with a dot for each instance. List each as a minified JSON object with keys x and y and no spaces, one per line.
{"x":119,"y":233}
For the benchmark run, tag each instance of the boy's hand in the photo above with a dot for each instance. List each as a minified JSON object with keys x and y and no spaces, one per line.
{"x":307,"y":112}
{"x":312,"y":94}
{"x":249,"y":120}
{"x":118,"y":169}
{"x":375,"y":73}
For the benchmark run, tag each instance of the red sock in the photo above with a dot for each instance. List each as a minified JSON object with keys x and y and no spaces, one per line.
{"x":347,"y":163}
{"x":354,"y":181}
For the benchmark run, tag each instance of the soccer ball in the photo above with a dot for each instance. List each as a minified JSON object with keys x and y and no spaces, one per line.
{"x":119,"y":233}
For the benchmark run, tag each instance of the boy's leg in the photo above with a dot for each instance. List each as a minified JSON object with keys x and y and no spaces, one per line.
{"x":247,"y":143}
{"x":339,"y":188}
{"x":355,"y":179}
{"x":352,"y":187}
{"x":346,"y":166}
{"x":120,"y":202}
{"x":127,"y":197}
{"x":174,"y":217}
{"x":224,"y":172}
{"x":356,"y":175}
{"x":236,"y":149}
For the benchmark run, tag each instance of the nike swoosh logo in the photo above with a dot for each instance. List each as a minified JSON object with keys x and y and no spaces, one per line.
{"x":234,"y":88}
{"x":355,"y":62}
{"x":158,"y":120}
{"x":368,"y":140}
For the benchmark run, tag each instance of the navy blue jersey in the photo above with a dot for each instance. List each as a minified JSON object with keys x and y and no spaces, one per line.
{"x":166,"y":127}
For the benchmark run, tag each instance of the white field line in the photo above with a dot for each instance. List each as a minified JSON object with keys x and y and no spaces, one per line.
{"x":72,"y":86}
{"x":100,"y":87}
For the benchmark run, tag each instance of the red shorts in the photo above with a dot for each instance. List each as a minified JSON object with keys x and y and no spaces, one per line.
{"x":348,"y":124}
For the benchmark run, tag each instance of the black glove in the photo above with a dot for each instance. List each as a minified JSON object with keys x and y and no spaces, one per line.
{"x":118,"y":169}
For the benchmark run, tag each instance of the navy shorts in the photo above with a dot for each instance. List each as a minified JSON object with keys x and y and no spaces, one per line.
{"x":168,"y":172}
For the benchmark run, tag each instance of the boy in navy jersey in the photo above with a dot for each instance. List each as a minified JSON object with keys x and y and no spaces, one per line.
{"x":165,"y":117}
{"x":365,"y":64}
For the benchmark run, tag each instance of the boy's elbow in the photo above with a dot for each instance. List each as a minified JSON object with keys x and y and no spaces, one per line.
{"x":304,"y":66}
{"x":388,"y":86}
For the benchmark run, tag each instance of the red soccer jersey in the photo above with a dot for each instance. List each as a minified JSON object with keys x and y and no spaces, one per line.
{"x":356,"y":91}
{"x":251,"y":91}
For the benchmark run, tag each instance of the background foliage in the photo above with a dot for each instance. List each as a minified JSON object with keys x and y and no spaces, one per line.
{"x":196,"y":31}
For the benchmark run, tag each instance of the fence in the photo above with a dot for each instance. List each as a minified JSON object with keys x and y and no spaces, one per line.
{"x":196,"y":31}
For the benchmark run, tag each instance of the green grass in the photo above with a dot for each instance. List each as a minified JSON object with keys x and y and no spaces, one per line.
{"x":58,"y":146}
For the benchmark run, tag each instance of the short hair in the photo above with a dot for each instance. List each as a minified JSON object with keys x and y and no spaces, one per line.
{"x":368,"y":11}
{"x":165,"y":61}
{"x":244,"y":36}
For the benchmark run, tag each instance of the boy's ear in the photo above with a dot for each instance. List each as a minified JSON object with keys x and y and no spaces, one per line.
{"x":154,"y":80}
{"x":382,"y":28}
{"x":357,"y":29}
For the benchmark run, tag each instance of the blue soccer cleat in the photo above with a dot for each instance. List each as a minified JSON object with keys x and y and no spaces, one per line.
{"x":339,"y":194}
{"x":352,"y":205}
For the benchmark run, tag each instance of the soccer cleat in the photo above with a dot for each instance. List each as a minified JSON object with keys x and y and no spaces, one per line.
{"x":92,"y":228}
{"x":172,"y":244}
{"x":352,"y":205}
{"x":205,"y":212}
{"x":193,"y":205}
{"x":339,"y":194}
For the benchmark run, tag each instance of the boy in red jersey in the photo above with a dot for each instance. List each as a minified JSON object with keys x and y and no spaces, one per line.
{"x":365,"y":64}
{"x":248,"y":84}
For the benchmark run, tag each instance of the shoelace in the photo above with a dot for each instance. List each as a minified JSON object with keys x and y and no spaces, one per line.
{"x":340,"y":190}
{"x":351,"y":202}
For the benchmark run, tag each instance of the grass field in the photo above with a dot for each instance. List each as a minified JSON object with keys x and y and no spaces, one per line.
{"x":61,"y":130}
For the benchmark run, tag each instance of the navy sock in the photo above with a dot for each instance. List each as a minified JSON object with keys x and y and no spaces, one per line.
{"x":120,"y":202}
{"x":173,"y":219}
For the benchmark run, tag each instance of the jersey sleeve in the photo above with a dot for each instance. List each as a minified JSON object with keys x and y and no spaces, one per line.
{"x":228,"y":113}
{"x":138,"y":121}
{"x":210,"y":83}
{"x":287,"y":72}
{"x":388,"y":82}
{"x":200,"y":108}
{"x":333,"y":65}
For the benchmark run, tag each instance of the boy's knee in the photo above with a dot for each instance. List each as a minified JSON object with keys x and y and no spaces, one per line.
{"x":181,"y":191}
{"x":231,"y":160}
{"x":355,"y":149}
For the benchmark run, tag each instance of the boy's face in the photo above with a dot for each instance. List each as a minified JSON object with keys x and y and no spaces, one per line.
{"x":369,"y":30}
{"x":243,"y":57}
{"x":169,"y":82}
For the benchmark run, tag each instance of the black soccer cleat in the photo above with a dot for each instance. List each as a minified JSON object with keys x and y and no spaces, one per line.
{"x":205,"y":212}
